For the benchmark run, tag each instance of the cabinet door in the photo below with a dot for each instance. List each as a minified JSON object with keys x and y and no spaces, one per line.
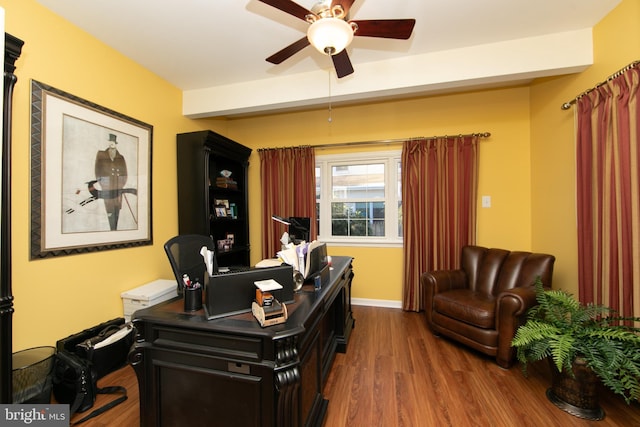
{"x":312,"y":404}
{"x":344,"y":314}
{"x":196,"y":390}
{"x":193,"y":184}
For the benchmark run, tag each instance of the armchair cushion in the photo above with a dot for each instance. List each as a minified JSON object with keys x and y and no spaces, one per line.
{"x":484,"y":302}
{"x":474,"y":308}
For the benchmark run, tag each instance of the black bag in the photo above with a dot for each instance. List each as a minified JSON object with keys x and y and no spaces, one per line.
{"x":75,"y":384}
{"x":74,"y":381}
{"x":105,"y":345}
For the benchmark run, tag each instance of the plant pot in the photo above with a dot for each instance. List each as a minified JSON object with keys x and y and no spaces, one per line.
{"x":577,"y":394}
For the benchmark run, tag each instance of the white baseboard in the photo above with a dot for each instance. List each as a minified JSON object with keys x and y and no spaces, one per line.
{"x":376,"y":302}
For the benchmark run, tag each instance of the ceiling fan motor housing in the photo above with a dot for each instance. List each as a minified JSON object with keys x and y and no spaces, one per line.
{"x":330,"y":35}
{"x":323,"y":9}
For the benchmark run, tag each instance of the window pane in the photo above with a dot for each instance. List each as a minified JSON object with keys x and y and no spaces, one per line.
{"x":377,"y":210}
{"x":358,"y":227}
{"x":340,"y":210}
{"x":339,"y":227}
{"x":357,"y":181}
{"x":357,"y":219}
{"x":376,"y":228}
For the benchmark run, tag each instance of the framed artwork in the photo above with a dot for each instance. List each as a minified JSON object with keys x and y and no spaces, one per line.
{"x":222,"y":207}
{"x":90,"y":176}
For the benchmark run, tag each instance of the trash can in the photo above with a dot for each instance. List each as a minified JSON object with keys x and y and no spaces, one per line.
{"x":32,"y":369}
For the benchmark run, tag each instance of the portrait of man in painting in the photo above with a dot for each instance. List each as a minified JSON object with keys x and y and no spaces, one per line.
{"x":99,"y":178}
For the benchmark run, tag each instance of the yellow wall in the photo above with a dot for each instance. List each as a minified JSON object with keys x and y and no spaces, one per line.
{"x":554,"y":227}
{"x":504,"y":164}
{"x":58,"y":296}
{"x":530,"y":182}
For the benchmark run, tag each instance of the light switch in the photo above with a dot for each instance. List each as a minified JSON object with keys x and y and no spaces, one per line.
{"x":486,"y":201}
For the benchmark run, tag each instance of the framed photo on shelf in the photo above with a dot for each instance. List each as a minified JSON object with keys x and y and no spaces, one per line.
{"x":224,"y":245}
{"x":77,"y":204}
{"x":221,"y":212}
{"x":230,"y":238}
{"x":223,"y":203}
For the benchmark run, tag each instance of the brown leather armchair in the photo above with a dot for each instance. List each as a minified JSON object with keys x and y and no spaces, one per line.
{"x":484,"y":302}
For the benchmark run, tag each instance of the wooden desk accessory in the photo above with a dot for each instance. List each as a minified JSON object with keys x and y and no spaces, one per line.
{"x":266,"y":309}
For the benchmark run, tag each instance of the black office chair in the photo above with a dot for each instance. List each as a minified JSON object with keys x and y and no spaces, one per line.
{"x":184,"y":255}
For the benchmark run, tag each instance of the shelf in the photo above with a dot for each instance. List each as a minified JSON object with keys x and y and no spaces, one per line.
{"x":204,"y":154}
{"x":234,"y":250}
{"x":220,"y":190}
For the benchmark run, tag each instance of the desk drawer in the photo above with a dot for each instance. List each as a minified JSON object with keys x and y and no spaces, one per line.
{"x":214,"y":344}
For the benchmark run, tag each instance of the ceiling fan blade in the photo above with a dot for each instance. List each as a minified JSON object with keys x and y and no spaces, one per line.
{"x":346,"y":5}
{"x":342,"y":63}
{"x":385,"y":28}
{"x":289,"y":7}
{"x":288,"y":51}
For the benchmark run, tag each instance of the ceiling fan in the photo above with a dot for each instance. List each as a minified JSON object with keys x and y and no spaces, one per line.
{"x":330,"y":32}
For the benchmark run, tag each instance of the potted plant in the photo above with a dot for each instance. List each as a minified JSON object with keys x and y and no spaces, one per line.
{"x":585,"y":345}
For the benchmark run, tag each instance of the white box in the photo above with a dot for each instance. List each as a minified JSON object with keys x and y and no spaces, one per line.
{"x":147,"y":295}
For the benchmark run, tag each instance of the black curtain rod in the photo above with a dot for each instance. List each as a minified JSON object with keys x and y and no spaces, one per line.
{"x":618,"y":73}
{"x":386,"y":141}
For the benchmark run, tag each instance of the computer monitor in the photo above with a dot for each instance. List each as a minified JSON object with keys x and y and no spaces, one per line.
{"x":316,"y":259}
{"x":299,"y":228}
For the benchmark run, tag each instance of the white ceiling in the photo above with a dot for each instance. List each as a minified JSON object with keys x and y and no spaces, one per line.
{"x":215,"y":50}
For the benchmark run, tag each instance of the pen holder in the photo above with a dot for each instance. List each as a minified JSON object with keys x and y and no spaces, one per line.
{"x":192,"y":299}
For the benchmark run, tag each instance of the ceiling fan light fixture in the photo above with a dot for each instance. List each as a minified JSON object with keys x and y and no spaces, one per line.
{"x":330,"y":35}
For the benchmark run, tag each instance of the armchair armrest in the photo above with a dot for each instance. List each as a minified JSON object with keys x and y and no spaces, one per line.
{"x":511,"y":309}
{"x":443,"y":280}
{"x":516,"y":301}
{"x":434,"y":282}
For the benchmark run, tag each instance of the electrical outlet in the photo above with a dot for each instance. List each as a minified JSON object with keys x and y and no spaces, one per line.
{"x":486,"y":201}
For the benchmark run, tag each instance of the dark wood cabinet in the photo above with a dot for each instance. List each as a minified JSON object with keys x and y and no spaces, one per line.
{"x":212,"y":192}
{"x":230,"y":371}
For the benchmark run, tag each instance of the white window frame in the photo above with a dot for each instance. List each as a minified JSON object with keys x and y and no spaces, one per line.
{"x":390,"y":159}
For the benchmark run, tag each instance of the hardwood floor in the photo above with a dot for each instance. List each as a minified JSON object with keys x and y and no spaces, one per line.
{"x":396,"y":373}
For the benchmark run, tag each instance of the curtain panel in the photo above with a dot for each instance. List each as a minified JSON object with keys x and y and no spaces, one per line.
{"x":439,"y":194}
{"x":287,"y":180}
{"x":608,"y":193}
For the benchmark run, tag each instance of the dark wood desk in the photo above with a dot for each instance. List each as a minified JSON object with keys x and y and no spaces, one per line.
{"x":230,"y":371}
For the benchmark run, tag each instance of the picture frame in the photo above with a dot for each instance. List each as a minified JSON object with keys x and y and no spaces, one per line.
{"x":224,"y":245}
{"x":222,"y":203}
{"x":90,"y":176}
{"x":221,"y":207}
{"x":221,"y":211}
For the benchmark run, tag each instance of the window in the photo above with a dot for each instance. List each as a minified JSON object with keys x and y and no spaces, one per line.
{"x":358,"y":198}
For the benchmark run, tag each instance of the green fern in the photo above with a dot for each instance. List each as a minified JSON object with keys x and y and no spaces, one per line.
{"x":561,"y":328}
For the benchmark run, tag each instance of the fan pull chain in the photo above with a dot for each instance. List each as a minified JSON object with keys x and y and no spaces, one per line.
{"x":329,"y":74}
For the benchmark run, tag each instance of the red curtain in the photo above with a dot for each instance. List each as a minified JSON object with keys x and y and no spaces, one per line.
{"x":439,"y":192}
{"x":287,"y":179}
{"x":608,"y":193}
